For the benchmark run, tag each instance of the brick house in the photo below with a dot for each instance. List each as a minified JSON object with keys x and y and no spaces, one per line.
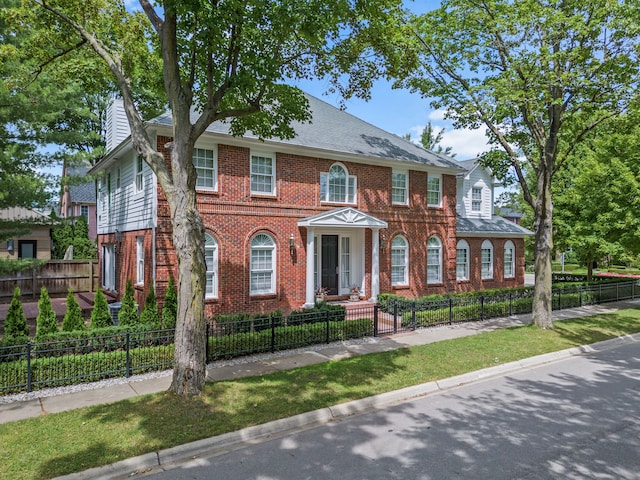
{"x":79,"y":199}
{"x":342,"y":204}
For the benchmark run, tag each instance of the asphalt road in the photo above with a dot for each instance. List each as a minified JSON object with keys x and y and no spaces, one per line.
{"x":574,"y":419}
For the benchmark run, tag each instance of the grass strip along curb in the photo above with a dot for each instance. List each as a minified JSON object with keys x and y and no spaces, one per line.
{"x":76,"y":440}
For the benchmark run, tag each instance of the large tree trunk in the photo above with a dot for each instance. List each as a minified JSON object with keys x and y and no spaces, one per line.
{"x":189,"y":372}
{"x":542,"y":298}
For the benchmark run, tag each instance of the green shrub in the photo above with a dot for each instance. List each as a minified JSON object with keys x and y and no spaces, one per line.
{"x":73,"y":320}
{"x":170,"y":306}
{"x":15,"y":325}
{"x":292,"y":336}
{"x":149,"y":315}
{"x":128,"y":311}
{"x":46,"y":321}
{"x":100,"y":315}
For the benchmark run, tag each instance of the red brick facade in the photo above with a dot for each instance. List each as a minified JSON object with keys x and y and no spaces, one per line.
{"x":233,"y":216}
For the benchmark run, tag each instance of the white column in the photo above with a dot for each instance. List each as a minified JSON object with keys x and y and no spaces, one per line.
{"x":310,"y":283}
{"x":375,"y":265}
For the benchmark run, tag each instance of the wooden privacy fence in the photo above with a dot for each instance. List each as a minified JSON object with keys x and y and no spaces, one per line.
{"x":56,"y":276}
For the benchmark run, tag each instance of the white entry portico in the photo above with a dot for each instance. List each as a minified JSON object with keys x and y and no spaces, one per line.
{"x":336,"y":252}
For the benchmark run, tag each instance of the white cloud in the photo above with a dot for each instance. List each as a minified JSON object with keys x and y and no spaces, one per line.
{"x":465,"y":143}
{"x":437,"y":115}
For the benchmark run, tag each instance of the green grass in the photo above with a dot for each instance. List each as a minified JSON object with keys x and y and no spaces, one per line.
{"x":72,"y":441}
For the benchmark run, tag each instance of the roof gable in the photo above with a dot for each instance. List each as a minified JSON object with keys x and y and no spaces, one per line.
{"x":343,"y":217}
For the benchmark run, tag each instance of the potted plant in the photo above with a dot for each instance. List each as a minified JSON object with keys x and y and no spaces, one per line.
{"x":321,"y":293}
{"x":354,"y":293}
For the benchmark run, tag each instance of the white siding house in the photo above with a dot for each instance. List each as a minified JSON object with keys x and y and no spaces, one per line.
{"x":474,"y":191}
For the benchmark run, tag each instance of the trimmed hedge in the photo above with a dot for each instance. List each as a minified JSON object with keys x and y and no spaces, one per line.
{"x":282,"y":338}
{"x":74,"y":369}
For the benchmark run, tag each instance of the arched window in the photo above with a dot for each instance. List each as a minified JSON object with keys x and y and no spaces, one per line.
{"x":486,"y":255}
{"x":337,"y":185}
{"x":211,"y":260}
{"x":509,"y":259}
{"x":399,"y":261}
{"x":462,"y":260}
{"x":263,"y":265}
{"x":434,"y":260}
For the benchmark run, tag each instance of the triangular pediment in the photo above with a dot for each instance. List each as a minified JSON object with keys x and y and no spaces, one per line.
{"x":343,"y":217}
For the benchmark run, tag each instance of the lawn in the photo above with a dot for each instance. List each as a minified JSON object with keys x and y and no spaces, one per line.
{"x":62,"y":443}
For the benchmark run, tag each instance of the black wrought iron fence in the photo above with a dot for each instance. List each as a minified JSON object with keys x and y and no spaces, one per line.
{"x":35,"y":365}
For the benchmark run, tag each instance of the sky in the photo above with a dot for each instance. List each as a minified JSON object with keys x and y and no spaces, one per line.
{"x":399,"y":111}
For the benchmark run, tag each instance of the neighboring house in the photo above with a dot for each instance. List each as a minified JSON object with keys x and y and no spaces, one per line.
{"x":36,"y":244}
{"x":79,"y":199}
{"x":343,"y":203}
{"x":494,"y":245}
{"x":511,"y":215}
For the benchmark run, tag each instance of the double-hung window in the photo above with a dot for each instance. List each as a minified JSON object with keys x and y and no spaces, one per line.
{"x":139,"y":175}
{"x":337,"y":186}
{"x":434,"y":191}
{"x":476,"y":199}
{"x":139,"y":260}
{"x":263,"y":174}
{"x":399,"y":188}
{"x":206,"y":164}
{"x":509,"y":259}
{"x":399,"y":261}
{"x":211,"y":261}
{"x":486,"y":258}
{"x":462,"y":260}
{"x":434,"y":260}
{"x":263,"y":265}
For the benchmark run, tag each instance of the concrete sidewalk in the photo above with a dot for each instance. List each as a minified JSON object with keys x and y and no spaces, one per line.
{"x":264,"y":364}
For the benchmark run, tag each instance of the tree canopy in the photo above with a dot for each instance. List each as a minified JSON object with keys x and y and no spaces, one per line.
{"x":228,"y":60}
{"x":539,"y":75}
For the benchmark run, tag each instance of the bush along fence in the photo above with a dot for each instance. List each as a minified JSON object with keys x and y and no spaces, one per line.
{"x":67,"y":358}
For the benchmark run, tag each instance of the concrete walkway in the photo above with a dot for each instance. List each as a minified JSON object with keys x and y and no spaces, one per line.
{"x":171,"y":457}
{"x":44,"y":405}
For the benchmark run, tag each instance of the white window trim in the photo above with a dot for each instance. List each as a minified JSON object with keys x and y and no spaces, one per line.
{"x":214,"y":149}
{"x":462,"y":245}
{"x":211,"y":245}
{"x":405,"y":252}
{"x":486,"y":245}
{"x":273,"y":173}
{"x":476,"y":201}
{"x":509,"y":245}
{"x":109,"y":266}
{"x":405,"y":201}
{"x":439,"y":178}
{"x":272,"y":288}
{"x":139,"y":260}
{"x":439,"y":264}
{"x":349,"y":179}
{"x":138,"y":165}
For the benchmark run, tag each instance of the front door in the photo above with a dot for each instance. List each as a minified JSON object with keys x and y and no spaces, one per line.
{"x":329,"y":268}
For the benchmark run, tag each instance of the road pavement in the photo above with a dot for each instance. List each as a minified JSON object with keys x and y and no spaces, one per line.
{"x":576,"y":418}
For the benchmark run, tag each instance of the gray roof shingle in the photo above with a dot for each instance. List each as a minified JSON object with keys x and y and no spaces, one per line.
{"x":81,"y":192}
{"x":496,"y":226}
{"x":332,"y":129}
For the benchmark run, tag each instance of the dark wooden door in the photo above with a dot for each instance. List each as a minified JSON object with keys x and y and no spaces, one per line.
{"x":330,"y":263}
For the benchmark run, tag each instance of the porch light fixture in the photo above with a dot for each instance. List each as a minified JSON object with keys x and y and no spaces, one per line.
{"x":10,"y":246}
{"x":118,"y":236}
{"x":383,"y":242}
{"x":292,"y":245}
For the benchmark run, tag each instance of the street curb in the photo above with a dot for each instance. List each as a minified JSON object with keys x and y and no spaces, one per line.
{"x":233,"y":440}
